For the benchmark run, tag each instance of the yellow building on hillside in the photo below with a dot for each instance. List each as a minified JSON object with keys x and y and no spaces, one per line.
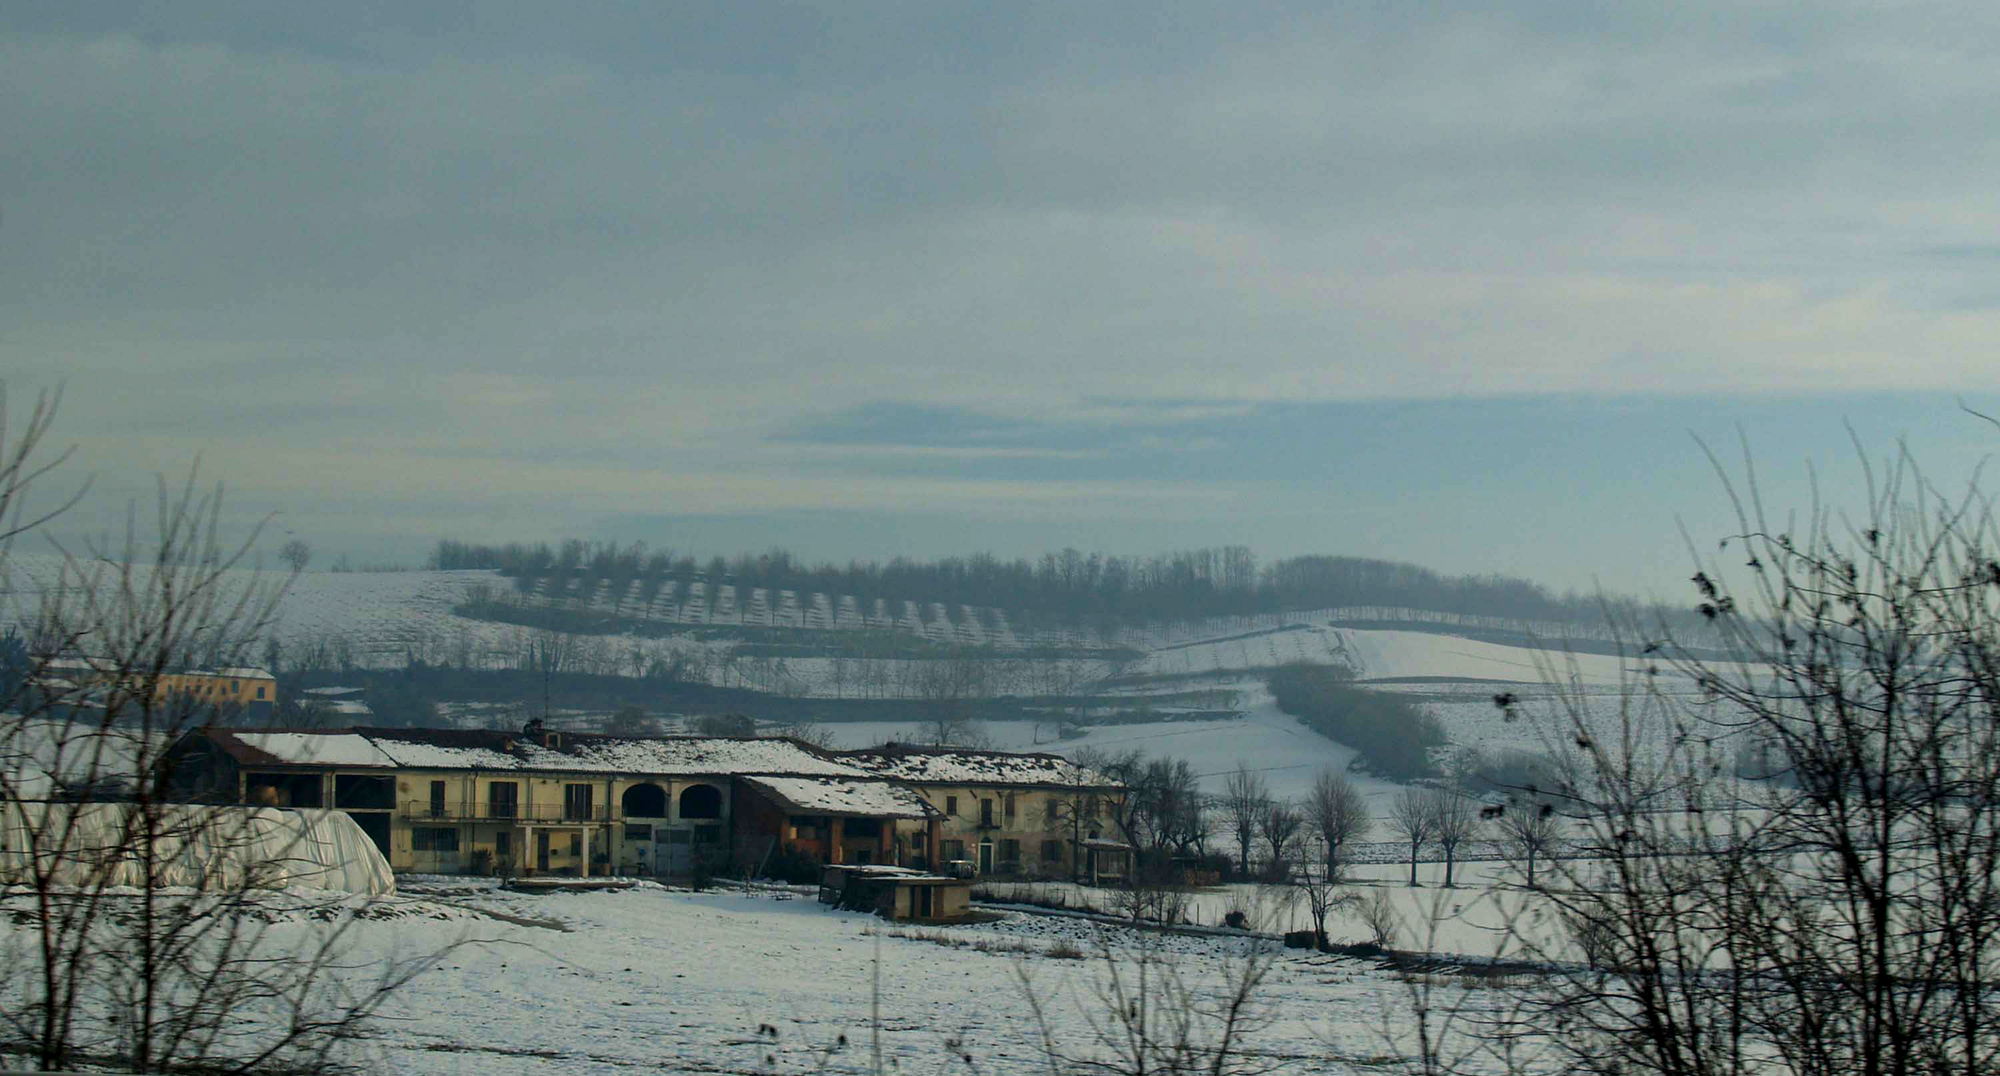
{"x":244,"y":689}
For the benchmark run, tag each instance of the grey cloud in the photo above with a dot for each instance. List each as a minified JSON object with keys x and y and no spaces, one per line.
{"x":720,"y":239}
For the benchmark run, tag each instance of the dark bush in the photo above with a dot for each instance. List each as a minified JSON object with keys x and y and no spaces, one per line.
{"x":1394,"y":735}
{"x":790,"y":865}
{"x":1510,"y":770}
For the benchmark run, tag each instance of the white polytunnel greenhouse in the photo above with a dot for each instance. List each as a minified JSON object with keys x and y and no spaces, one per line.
{"x":196,"y":847}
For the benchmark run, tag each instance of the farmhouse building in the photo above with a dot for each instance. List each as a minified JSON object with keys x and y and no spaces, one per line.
{"x":1007,"y":813}
{"x":232,"y":691}
{"x":547,"y":802}
{"x":244,"y":690}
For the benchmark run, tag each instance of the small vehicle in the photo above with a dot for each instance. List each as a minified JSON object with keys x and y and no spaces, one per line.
{"x":959,"y":868}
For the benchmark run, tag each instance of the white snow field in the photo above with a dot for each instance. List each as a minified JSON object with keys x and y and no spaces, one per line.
{"x":663,"y":980}
{"x":1480,"y":917}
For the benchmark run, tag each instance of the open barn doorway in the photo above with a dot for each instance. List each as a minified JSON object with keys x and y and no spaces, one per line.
{"x":701,"y":801}
{"x":644,"y":801}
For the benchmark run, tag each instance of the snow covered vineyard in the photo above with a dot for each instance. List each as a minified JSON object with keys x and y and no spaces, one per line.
{"x":479,"y":619}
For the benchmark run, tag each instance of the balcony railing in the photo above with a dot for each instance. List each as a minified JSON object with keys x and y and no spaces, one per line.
{"x":483,"y":811}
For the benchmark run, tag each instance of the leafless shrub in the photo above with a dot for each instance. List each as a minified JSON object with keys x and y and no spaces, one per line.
{"x":1378,"y":914}
{"x":1147,"y":1013}
{"x":1847,"y":918}
{"x":153,"y":945}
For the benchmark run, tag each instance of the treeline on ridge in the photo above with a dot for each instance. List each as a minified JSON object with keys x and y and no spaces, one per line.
{"x":1184,"y":584}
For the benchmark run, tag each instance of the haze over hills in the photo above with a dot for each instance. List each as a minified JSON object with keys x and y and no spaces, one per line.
{"x":769,"y":622}
{"x":588,"y":632}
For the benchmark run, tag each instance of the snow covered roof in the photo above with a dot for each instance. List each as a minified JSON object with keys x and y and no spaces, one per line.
{"x":562,"y":752}
{"x":240,"y":672}
{"x":839,"y":795}
{"x":827,"y":782}
{"x":707,"y":754}
{"x":291,"y":747}
{"x":960,"y":766}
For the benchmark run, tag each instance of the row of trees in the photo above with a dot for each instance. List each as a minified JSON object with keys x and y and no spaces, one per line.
{"x":1069,"y":586}
{"x":1397,"y":737}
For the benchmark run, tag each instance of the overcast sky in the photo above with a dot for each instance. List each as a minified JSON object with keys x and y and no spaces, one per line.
{"x":1454,"y":286}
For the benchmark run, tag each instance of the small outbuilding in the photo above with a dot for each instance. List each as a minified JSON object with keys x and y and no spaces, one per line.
{"x":895,"y":892}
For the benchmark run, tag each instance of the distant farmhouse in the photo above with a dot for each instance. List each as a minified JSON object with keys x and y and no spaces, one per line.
{"x":1007,"y":813}
{"x":231,"y":692}
{"x":545,"y":802}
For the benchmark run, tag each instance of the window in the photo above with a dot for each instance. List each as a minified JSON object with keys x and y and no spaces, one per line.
{"x":985,"y":812}
{"x":952,"y":849}
{"x":503,"y":844}
{"x":576,"y":803}
{"x":638,"y":833}
{"x":951,"y":805}
{"x":437,"y":799}
{"x":434,"y":839}
{"x":1010,"y":851}
{"x":502,"y":799}
{"x":260,"y":692}
{"x":1051,"y":851}
{"x":576,"y":844}
{"x":1010,"y":805}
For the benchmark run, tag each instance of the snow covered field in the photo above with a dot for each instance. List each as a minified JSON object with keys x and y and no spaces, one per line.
{"x":727,"y":982}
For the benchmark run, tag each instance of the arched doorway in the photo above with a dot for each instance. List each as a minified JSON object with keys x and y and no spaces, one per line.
{"x":701,"y":801}
{"x":645,"y":801}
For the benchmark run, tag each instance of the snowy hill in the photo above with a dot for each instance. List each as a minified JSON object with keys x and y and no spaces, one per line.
{"x":384,"y":619}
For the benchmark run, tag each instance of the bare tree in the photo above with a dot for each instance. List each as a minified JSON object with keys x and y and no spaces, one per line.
{"x":1162,"y":812}
{"x":155,"y":941}
{"x":1338,"y":813}
{"x":1848,"y":920}
{"x":1148,"y":1014}
{"x":1078,"y":807}
{"x":1324,"y":895}
{"x":1279,"y":825}
{"x":295,"y":554}
{"x":812,"y":732}
{"x":1454,"y":820}
{"x":948,"y":686}
{"x":1531,"y":830}
{"x":1412,"y":815}
{"x":1245,"y":797}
